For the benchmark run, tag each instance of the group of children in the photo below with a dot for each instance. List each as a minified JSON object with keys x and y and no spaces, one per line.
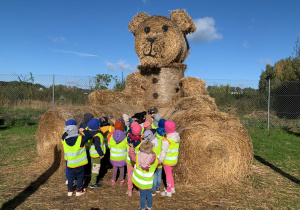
{"x":143,"y":143}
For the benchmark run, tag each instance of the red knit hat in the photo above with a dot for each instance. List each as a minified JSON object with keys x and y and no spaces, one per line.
{"x":119,"y":126}
{"x":169,"y":127}
{"x":137,"y":130}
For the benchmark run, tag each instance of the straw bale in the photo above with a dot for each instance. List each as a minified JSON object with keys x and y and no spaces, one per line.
{"x":52,"y":123}
{"x":191,"y":86}
{"x":105,"y":97}
{"x":200,"y":103}
{"x":214,"y":147}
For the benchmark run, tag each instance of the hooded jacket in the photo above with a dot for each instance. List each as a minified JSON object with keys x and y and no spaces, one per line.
{"x":71,"y":134}
{"x":118,"y":136}
{"x":165,"y":145}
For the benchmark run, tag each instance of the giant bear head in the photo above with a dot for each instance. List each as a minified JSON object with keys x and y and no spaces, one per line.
{"x":161,"y":41}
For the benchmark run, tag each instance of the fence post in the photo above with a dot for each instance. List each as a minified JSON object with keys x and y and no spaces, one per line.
{"x":53,"y":92}
{"x":269,"y":103}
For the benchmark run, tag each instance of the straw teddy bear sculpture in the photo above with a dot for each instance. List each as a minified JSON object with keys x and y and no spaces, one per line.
{"x":161,"y":45}
{"x":215,"y":144}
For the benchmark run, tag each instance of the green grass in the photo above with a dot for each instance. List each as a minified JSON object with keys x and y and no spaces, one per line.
{"x":279,"y":147}
{"x":18,"y":144}
{"x":19,"y":117}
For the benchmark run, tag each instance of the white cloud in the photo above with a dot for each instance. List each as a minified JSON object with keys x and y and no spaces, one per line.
{"x":264,"y":61}
{"x":252,"y":24}
{"x":58,"y":39}
{"x":77,"y":53}
{"x":120,"y":66}
{"x":205,"y":31}
{"x":245,"y":45}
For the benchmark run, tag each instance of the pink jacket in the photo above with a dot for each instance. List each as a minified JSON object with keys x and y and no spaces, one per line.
{"x":142,"y":158}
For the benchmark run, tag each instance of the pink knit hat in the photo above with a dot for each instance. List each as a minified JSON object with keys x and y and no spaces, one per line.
{"x":137,"y":130}
{"x":169,"y":127}
{"x":133,"y":124}
{"x":147,"y":125}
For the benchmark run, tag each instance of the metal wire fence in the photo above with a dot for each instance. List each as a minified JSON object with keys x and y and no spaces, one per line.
{"x":255,"y":107}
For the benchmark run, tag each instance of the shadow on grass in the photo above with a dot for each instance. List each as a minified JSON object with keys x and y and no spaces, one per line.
{"x":278,"y":170}
{"x":4,"y":127}
{"x":34,"y":186}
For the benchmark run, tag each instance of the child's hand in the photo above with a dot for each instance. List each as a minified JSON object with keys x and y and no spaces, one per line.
{"x":80,"y":130}
{"x":101,"y":156}
{"x":113,"y":120}
{"x":131,"y":145}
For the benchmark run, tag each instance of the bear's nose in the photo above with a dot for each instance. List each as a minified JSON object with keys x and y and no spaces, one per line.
{"x":150,"y":39}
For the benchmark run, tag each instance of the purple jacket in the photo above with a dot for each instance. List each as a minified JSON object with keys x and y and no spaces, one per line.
{"x":118,"y":136}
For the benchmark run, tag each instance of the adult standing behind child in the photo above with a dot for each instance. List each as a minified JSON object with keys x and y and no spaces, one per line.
{"x":117,"y":144}
{"x":97,"y":151}
{"x":169,"y":155}
{"x":143,"y":174}
{"x":75,"y":155}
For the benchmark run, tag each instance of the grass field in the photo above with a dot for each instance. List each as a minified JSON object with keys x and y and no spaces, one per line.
{"x":273,"y":184}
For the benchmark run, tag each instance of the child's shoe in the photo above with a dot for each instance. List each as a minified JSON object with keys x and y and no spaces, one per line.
{"x":70,"y":192}
{"x":153,"y":193}
{"x":112,"y":181}
{"x":80,"y":192}
{"x":165,"y":193}
{"x":122,"y":182}
{"x":97,"y":185}
{"x":129,"y":192}
{"x":157,"y":190}
{"x":172,"y":189}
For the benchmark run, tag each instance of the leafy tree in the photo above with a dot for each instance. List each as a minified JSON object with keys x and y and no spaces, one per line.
{"x":102,"y":81}
{"x":120,"y":84}
{"x":23,"y":78}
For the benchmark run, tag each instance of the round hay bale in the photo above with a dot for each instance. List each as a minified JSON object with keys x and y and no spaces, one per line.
{"x":52,"y":123}
{"x":214,"y":147}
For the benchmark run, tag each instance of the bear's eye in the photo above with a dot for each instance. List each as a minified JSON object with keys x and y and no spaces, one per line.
{"x":147,"y":30}
{"x":165,"y":28}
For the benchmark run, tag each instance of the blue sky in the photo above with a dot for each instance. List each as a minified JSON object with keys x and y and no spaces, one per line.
{"x":235,"y":39}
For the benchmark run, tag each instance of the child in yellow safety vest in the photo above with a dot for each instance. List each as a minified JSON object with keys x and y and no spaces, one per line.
{"x":117,"y":143}
{"x":86,"y":118}
{"x":148,"y":134}
{"x":134,"y":138}
{"x":97,"y":151}
{"x":169,"y":155}
{"x":68,"y":122}
{"x":75,"y":155}
{"x":105,"y":129}
{"x":143,"y":174}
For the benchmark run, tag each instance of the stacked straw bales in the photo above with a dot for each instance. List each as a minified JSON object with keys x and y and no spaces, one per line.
{"x":214,"y":147}
{"x":53,"y":121}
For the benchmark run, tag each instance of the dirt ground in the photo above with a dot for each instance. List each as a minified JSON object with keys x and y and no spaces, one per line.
{"x":46,"y":189}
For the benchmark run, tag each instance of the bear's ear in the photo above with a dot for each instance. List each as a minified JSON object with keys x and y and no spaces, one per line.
{"x":136,"y":21}
{"x":183,"y":20}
